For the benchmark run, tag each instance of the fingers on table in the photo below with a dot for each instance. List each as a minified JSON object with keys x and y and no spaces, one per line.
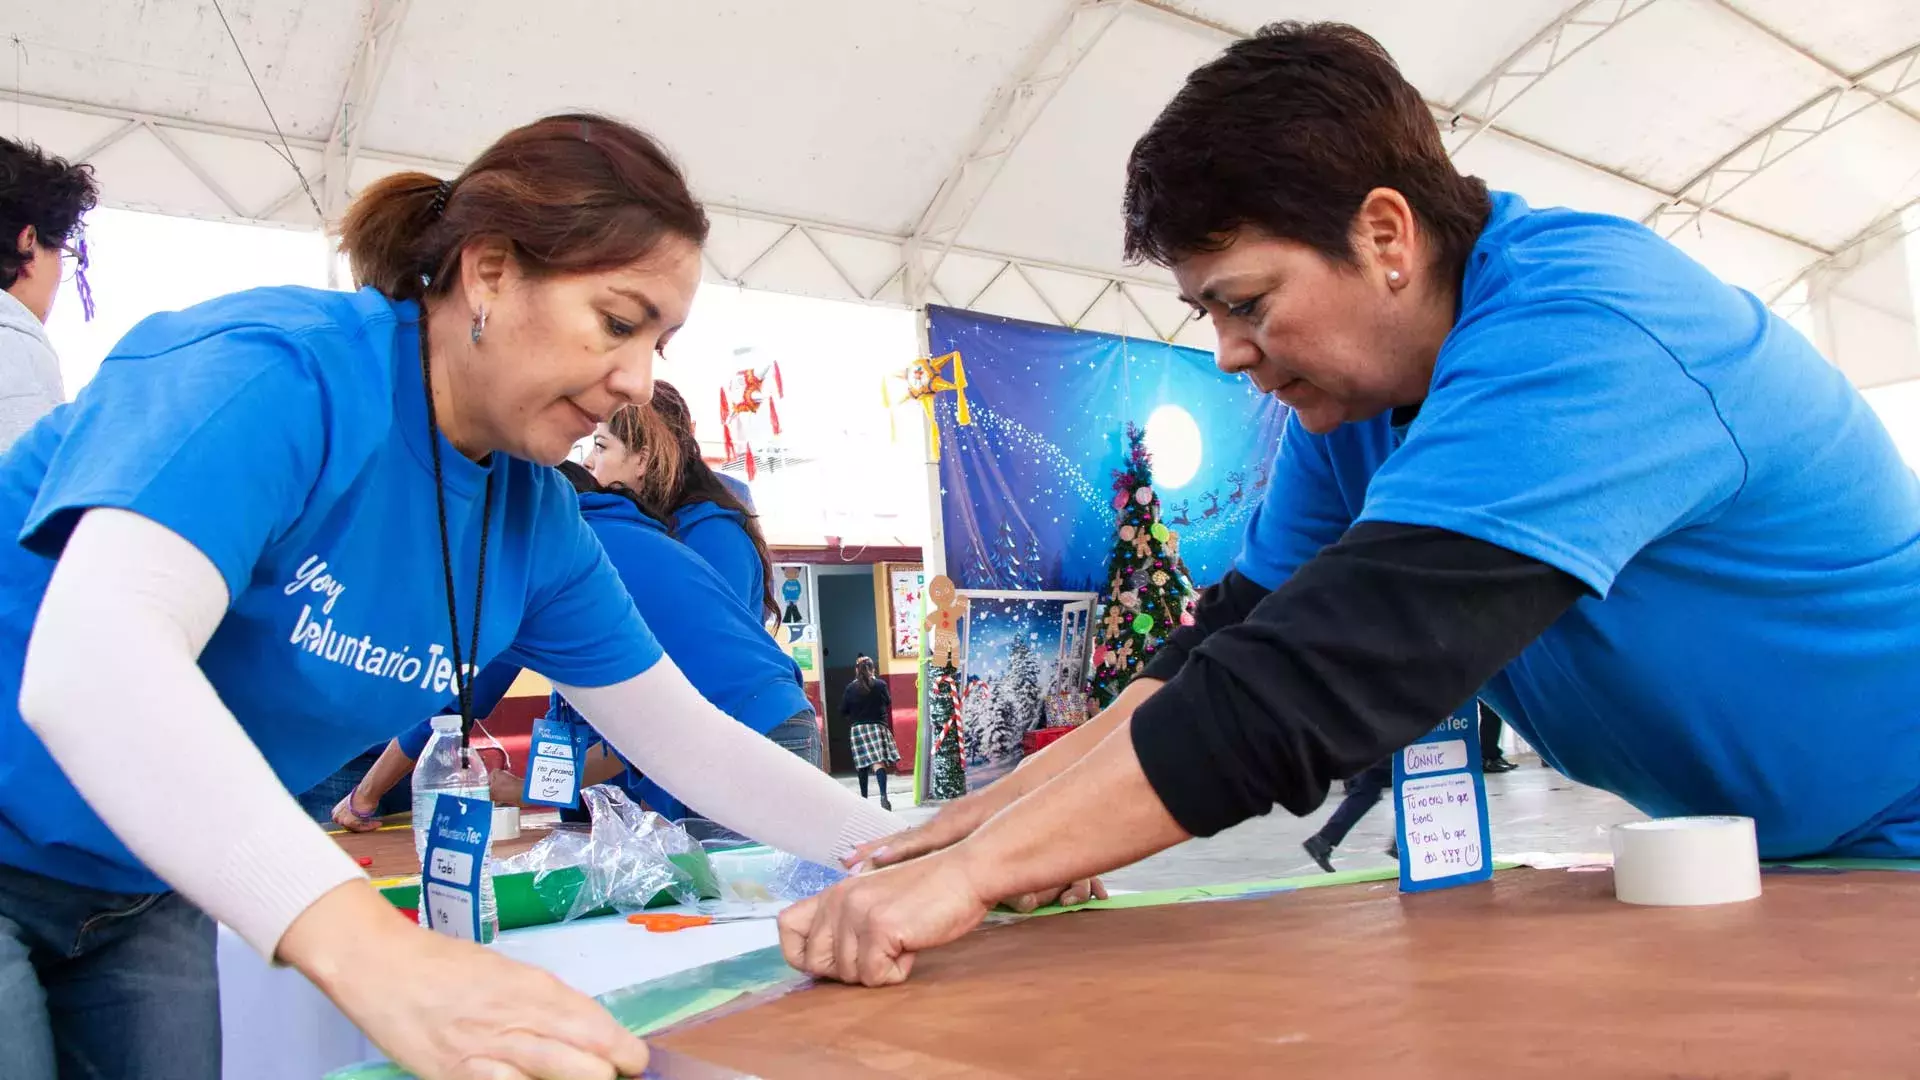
{"x":546,"y":1058}
{"x":584,"y":1027}
{"x":488,"y":1069}
{"x":867,"y":852}
{"x":883,"y":962}
{"x":796,"y":924}
{"x":817,"y":946}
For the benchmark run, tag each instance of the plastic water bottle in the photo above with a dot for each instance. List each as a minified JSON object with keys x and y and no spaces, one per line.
{"x":443,"y":769}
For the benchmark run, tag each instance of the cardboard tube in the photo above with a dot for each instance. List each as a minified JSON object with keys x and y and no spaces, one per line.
{"x":1686,"y":862}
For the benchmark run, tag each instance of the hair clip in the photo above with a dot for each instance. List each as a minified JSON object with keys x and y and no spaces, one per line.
{"x":440,"y":196}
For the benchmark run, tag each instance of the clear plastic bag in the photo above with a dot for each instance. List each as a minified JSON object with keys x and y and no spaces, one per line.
{"x":622,"y":859}
{"x":794,"y":878}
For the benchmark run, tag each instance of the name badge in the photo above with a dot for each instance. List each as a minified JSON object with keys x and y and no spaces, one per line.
{"x":554,"y":762}
{"x":451,"y":869}
{"x":1441,"y":794}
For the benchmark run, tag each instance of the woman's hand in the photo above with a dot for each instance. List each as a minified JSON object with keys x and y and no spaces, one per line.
{"x":451,"y":1010}
{"x":348,"y":814}
{"x":955,"y":822}
{"x":1071,"y":895}
{"x":958,"y":819}
{"x":868,"y":928}
{"x":506,"y":787}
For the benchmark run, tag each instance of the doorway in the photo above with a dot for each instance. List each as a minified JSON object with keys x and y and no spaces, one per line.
{"x":847,"y":630}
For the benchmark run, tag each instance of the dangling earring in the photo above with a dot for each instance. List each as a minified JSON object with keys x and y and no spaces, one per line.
{"x":479,"y":324}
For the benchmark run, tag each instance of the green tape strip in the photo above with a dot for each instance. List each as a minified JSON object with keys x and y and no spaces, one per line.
{"x":1221,"y":892}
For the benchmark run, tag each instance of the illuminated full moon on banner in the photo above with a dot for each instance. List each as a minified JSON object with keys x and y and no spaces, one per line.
{"x":1174,"y":440}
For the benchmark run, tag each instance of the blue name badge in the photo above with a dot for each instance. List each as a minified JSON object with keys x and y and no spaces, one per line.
{"x":1441,"y":795}
{"x":454,"y":861}
{"x":553,"y":764}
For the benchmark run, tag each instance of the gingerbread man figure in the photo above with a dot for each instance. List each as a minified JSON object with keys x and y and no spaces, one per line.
{"x":943,"y":621}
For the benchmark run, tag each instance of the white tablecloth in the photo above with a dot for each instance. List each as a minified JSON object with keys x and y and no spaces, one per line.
{"x":276,"y":1024}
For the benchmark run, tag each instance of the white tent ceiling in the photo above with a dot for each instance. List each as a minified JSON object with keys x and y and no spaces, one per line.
{"x":969,"y":151}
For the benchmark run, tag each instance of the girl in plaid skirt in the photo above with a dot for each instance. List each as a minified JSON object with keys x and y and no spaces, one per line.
{"x":868,"y":707}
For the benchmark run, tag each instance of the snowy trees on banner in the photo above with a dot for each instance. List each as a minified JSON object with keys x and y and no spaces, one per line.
{"x":1148,"y":591}
{"x":1014,"y":565}
{"x":1017,"y":703}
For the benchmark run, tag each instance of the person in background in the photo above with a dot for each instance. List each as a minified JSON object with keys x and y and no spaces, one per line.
{"x":42,"y":201}
{"x":1363,"y":793}
{"x":726,"y":654}
{"x":868,"y":707}
{"x":653,"y":451}
{"x":280,"y":526}
{"x":1492,"y":759}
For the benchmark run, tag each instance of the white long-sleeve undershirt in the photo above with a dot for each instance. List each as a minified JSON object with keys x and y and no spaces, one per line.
{"x":132,"y":589}
{"x":148,"y":747}
{"x":726,"y":770}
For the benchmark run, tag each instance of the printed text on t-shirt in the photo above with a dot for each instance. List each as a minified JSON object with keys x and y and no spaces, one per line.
{"x":315,"y":633}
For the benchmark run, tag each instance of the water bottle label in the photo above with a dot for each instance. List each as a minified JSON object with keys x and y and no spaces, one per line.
{"x":554,"y":763}
{"x":455,"y":864}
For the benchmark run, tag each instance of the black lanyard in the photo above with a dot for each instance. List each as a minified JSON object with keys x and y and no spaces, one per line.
{"x":462,"y":680}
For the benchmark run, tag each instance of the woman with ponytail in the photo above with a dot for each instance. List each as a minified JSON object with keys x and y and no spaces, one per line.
{"x":296,"y":521}
{"x":653,"y":453}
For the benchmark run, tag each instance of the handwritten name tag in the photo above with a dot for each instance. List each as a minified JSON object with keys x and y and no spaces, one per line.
{"x":1441,"y":795}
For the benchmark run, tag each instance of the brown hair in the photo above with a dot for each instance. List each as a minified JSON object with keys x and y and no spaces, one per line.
{"x":574,"y":193}
{"x":676,"y":474}
{"x":1287,"y":131}
{"x":863,"y":671}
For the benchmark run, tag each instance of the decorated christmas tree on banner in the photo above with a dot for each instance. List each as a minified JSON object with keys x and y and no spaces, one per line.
{"x":1148,"y":592}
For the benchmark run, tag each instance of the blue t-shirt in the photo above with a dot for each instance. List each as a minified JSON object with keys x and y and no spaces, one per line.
{"x":717,"y":643}
{"x":283,"y":433}
{"x":738,"y":487}
{"x":719,"y":536}
{"x":1748,"y":533}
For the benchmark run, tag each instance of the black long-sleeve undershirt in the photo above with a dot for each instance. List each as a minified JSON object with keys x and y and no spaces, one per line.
{"x":1272,"y":696}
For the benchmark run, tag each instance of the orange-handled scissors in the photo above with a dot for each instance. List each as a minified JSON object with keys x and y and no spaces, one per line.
{"x":666,"y":922}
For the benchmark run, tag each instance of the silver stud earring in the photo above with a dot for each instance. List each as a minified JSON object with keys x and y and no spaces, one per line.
{"x":479,"y":324}
{"x":1393,"y":276}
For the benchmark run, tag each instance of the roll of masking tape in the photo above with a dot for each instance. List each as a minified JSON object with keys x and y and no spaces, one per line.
{"x":506,"y":823}
{"x":1686,"y":862}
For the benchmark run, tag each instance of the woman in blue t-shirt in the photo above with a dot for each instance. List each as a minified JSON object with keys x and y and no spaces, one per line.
{"x":652,"y":452}
{"x":1535,"y":455}
{"x":281,"y":526}
{"x":725,"y":651}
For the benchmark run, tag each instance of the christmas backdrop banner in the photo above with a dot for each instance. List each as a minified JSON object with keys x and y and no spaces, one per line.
{"x":1026,"y":488}
{"x":1022,"y":657}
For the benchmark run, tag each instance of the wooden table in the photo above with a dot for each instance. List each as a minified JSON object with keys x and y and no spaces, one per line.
{"x":391,"y":847}
{"x":1537,"y":973}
